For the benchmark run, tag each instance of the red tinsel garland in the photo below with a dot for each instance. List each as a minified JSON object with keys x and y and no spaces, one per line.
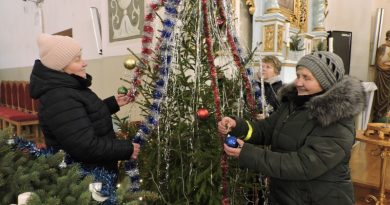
{"x":218,"y":115}
{"x":146,"y":52}
{"x":233,"y":48}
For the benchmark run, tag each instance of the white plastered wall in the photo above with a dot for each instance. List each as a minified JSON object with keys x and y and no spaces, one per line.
{"x":21,"y":24}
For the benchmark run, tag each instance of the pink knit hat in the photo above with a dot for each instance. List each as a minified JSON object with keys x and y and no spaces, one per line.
{"x":56,"y":52}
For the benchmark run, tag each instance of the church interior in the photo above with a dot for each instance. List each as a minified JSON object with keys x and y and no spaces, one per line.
{"x":118,"y":42}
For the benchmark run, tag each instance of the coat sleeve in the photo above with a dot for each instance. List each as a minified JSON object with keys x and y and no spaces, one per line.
{"x":261,"y":131}
{"x":112,"y":105}
{"x":68,"y":121}
{"x":323,"y":150}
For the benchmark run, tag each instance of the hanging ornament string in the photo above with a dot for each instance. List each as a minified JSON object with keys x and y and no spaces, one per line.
{"x":260,"y":101}
{"x":263,"y":100}
{"x":218,"y":114}
{"x":164,"y":143}
{"x":151,"y":120}
{"x":237,"y":60}
{"x":259,"y":92}
{"x":223,"y":59}
{"x":249,"y":70}
{"x":243,"y":57}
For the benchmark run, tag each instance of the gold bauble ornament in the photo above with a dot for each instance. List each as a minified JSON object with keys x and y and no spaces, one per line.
{"x":130,"y":63}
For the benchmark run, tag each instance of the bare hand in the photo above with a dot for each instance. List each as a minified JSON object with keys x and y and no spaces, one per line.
{"x":234,"y":152}
{"x":122,"y":99}
{"x":226,"y":125}
{"x":136,"y":148}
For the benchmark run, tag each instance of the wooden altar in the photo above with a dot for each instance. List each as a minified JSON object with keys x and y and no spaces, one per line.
{"x":366,"y":171}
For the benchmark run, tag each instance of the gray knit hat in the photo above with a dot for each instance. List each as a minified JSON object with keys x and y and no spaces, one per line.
{"x":327,"y":67}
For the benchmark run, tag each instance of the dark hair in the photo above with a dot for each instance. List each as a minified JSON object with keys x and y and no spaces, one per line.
{"x":274,"y":61}
{"x":388,"y":35}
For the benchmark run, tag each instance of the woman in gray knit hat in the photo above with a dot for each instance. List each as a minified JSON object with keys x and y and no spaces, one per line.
{"x":311,"y":135}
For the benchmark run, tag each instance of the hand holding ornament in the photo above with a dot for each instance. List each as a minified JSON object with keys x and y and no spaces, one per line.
{"x":226,"y":125}
{"x":122,"y":99}
{"x":231,"y":141}
{"x":136,"y":149}
{"x":233,"y":151}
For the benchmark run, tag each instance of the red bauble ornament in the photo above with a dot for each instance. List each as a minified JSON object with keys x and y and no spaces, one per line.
{"x":202,"y":113}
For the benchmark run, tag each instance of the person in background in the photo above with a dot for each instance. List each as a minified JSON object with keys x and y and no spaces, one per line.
{"x":270,"y":72}
{"x":382,"y":79}
{"x":72,"y":117}
{"x":311,"y":135}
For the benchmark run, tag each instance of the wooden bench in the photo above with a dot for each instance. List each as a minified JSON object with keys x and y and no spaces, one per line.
{"x":18,"y":109}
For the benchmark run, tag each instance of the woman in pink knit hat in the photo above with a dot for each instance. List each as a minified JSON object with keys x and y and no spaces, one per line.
{"x":72,"y":117}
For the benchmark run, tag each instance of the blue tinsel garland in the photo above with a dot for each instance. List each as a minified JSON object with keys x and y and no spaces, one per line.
{"x":151,"y":121}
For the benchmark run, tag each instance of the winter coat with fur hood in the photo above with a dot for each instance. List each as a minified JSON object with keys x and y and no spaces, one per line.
{"x":75,"y":119}
{"x":310,"y":143}
{"x":271,"y":88}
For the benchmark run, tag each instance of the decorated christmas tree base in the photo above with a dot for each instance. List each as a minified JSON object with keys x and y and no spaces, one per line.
{"x":34,"y":176}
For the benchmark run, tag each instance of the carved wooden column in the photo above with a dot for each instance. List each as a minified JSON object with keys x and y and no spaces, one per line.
{"x":273,"y":32}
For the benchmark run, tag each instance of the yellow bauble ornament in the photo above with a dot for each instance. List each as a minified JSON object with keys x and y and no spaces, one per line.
{"x":130,"y":63}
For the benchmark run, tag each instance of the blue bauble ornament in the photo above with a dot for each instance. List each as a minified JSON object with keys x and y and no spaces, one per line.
{"x":145,"y":129}
{"x":152,"y":120}
{"x":231,"y":141}
{"x":168,"y":23}
{"x":160,"y":82}
{"x":155,"y":107}
{"x":157,"y":94}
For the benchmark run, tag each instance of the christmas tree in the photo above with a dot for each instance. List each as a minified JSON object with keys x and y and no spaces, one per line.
{"x":195,"y":74}
{"x":42,"y":175}
{"x":23,"y":169}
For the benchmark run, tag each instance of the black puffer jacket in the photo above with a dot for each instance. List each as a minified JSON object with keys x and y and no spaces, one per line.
{"x":310,"y":146}
{"x":74,"y":119}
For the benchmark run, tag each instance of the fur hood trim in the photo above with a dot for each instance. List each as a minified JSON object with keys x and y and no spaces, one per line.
{"x":345,"y":99}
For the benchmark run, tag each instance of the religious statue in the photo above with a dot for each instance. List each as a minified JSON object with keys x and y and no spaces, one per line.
{"x":272,"y":6}
{"x":319,"y":14}
{"x":382,"y":80}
